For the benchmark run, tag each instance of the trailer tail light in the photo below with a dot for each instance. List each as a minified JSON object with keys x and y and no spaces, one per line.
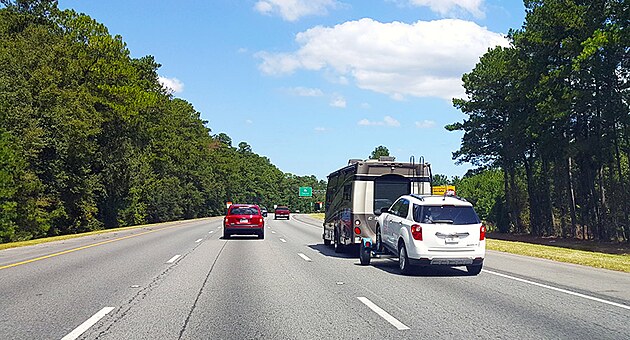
{"x":416,"y":232}
{"x":357,"y":230}
{"x":482,"y":233}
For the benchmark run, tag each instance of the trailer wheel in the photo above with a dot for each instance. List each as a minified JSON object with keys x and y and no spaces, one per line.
{"x":338,"y":245}
{"x":365,"y":255}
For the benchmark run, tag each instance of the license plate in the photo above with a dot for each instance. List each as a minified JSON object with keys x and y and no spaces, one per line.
{"x":244,"y":220}
{"x":450,"y":240}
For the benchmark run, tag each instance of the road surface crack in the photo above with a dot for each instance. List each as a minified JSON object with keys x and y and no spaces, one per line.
{"x":205,"y":281}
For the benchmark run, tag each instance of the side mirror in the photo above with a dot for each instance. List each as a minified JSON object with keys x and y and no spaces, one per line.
{"x":383,"y":210}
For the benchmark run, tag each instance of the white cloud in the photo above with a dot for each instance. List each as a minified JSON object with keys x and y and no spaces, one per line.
{"x":425,"y":124}
{"x":305,"y":92}
{"x":293,"y":10}
{"x":423,"y":59}
{"x":338,"y":101}
{"x":320,"y":129}
{"x":171,"y":84}
{"x":387,"y":121}
{"x":249,"y":121}
{"x":365,"y":106}
{"x":452,"y":7}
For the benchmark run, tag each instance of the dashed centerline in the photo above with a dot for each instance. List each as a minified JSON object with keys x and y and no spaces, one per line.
{"x":199,"y":240}
{"x":378,"y":310}
{"x":87,"y":324}
{"x":306,"y":258}
{"x":283,"y":240}
{"x":173,"y":259}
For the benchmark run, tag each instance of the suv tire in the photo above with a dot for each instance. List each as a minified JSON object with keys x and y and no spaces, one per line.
{"x":379,"y":239}
{"x":403,"y":260}
{"x":474,"y":270}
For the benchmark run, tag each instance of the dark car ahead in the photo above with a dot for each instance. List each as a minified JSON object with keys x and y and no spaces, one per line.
{"x":281,"y":212}
{"x":244,"y":219}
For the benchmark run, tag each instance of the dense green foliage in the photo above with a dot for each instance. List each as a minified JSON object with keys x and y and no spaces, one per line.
{"x":89,"y":139}
{"x":379,"y":151}
{"x":552,"y":113}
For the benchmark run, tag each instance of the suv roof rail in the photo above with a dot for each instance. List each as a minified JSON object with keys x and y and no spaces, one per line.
{"x":420,"y":197}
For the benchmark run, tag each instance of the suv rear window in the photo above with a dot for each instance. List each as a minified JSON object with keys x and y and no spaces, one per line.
{"x":282,"y":209}
{"x":450,"y":214}
{"x":244,"y":211}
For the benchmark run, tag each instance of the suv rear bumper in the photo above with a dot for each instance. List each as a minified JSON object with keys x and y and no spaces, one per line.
{"x":244,"y":230}
{"x":447,"y":261}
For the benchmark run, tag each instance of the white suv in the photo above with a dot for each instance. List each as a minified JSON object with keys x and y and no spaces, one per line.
{"x":432,"y":230}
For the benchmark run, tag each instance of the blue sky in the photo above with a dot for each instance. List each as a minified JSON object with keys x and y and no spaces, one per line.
{"x":312,"y":83}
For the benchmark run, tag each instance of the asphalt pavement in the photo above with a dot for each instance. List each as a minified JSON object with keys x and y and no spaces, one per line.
{"x":184,"y":281}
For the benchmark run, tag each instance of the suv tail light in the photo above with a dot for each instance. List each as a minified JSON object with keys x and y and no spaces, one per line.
{"x":416,"y":232}
{"x":357,"y":230}
{"x":482,"y":233}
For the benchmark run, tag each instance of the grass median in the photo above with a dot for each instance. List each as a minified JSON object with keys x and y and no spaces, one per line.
{"x":618,"y":262}
{"x":71,"y":236}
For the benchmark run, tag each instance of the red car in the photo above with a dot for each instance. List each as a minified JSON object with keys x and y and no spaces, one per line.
{"x":244,"y":219}
{"x":281,"y":212}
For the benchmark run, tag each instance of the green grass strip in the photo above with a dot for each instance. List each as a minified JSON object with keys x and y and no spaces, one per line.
{"x":71,"y":236}
{"x":585,"y":258}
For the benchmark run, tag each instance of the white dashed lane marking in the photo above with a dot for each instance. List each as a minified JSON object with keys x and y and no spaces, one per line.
{"x":87,"y":324}
{"x":306,"y":258}
{"x":378,"y":310}
{"x":173,"y":259}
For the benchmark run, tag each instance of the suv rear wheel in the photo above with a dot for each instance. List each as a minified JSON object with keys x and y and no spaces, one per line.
{"x":474,"y":270}
{"x":403,"y":260}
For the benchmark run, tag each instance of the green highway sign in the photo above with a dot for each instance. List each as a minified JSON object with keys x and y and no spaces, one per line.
{"x":306,"y":192}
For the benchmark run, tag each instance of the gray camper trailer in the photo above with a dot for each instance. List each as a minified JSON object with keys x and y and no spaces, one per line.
{"x":357,"y":190}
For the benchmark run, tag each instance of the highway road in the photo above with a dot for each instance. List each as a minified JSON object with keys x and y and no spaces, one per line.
{"x":183,"y":281}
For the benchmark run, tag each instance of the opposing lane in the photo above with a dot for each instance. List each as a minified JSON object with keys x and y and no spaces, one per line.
{"x":50,"y":297}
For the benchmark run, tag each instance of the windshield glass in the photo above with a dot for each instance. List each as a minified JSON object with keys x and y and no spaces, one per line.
{"x":445,"y":214}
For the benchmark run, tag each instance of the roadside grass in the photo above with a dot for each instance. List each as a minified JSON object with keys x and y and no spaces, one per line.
{"x":581,"y":257}
{"x":319,"y":216}
{"x":67,"y":237}
{"x":560,"y":254}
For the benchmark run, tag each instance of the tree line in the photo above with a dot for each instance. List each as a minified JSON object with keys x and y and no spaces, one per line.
{"x":89,"y":138}
{"x":548,"y":121}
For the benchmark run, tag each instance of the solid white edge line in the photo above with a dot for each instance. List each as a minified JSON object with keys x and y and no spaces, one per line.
{"x":559,"y":289}
{"x":199,"y":240}
{"x":173,"y":259}
{"x":87,"y":324}
{"x":211,"y":231}
{"x":378,"y":310}
{"x":283,"y":240}
{"x":306,"y":258}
